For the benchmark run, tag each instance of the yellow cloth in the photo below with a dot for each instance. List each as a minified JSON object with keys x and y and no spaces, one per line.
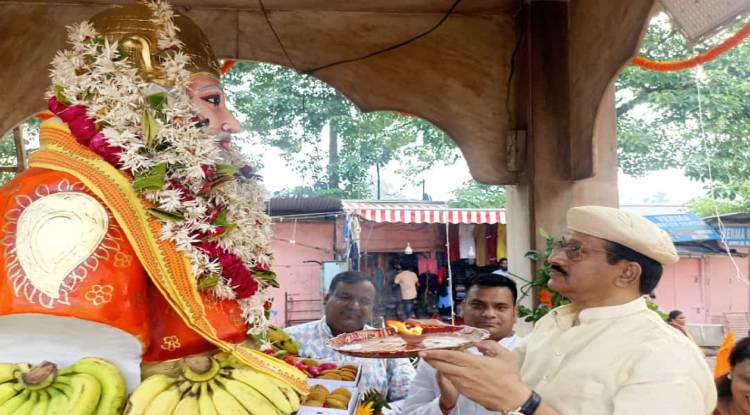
{"x":722,"y":356}
{"x":480,"y":235}
{"x":408,"y":281}
{"x":625,"y":228}
{"x":502,"y":234}
{"x":619,"y":360}
{"x":168,"y":269}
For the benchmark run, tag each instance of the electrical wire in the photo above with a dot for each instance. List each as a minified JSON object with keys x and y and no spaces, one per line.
{"x":389,"y":48}
{"x":711,"y":188}
{"x":276,"y":35}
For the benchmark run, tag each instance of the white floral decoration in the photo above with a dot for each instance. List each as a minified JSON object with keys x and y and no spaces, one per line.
{"x":95,"y":74}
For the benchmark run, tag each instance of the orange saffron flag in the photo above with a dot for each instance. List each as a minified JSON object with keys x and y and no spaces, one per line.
{"x":722,"y":356}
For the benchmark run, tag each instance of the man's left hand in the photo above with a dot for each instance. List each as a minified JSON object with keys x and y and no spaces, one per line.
{"x":492,"y":380}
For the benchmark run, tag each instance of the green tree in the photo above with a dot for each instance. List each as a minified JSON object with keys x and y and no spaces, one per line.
{"x":282,"y":108}
{"x":30,"y":130}
{"x":710,"y":206}
{"x":662,"y":118}
{"x":473,"y":194}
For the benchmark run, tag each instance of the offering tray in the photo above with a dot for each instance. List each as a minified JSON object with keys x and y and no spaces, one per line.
{"x":386,"y":343}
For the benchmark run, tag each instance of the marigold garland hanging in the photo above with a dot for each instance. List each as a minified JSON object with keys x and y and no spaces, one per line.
{"x":700,"y":59}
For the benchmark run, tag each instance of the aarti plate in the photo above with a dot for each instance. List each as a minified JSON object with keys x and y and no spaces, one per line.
{"x":385,"y":343}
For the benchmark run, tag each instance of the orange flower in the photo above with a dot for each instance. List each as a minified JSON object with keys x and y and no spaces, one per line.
{"x":402,"y":328}
{"x":545,"y":297}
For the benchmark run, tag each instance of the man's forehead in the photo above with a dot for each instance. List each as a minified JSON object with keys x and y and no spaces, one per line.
{"x":358,"y":288}
{"x":491,"y":294}
{"x":575,"y":236}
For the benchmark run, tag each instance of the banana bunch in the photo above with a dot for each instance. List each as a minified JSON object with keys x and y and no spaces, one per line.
{"x":211,"y":386}
{"x":91,"y":386}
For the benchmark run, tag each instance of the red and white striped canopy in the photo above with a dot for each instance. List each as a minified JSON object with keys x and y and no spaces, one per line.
{"x":420,"y":212}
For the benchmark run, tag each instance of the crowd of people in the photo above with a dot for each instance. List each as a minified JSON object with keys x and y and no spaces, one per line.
{"x":606,"y":352}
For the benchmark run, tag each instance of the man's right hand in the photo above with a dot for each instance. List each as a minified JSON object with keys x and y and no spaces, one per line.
{"x":448,"y":394}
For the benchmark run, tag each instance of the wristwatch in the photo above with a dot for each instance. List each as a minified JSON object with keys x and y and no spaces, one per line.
{"x":529,"y":407}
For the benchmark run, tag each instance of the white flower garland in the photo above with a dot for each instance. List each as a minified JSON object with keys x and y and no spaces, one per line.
{"x":95,"y":75}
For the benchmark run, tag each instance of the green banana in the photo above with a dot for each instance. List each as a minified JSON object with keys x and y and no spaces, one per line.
{"x":114,"y":389}
{"x":86,"y":393}
{"x":28,"y":405}
{"x":200,"y":368}
{"x":165,"y":402}
{"x":38,"y":377}
{"x":188,"y":405}
{"x":146,"y":392}
{"x":42,"y":404}
{"x":225,"y":403}
{"x":58,"y":401}
{"x":290,"y":393}
{"x":248,"y":397}
{"x":10,"y":406}
{"x":7,"y":371}
{"x":205,"y":403}
{"x":260,"y":382}
{"x":7,"y":391}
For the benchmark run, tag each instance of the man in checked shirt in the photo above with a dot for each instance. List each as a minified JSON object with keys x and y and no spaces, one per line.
{"x":348,"y":307}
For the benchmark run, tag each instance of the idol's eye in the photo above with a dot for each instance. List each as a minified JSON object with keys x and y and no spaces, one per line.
{"x":214,"y":100}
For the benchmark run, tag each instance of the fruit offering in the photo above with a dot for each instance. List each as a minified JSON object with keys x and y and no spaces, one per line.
{"x":280,"y":343}
{"x":213,"y":385}
{"x":318,"y":370}
{"x":90,"y":386}
{"x":320,"y":397}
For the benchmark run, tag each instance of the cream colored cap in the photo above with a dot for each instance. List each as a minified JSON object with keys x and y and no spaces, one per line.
{"x":627,"y":229}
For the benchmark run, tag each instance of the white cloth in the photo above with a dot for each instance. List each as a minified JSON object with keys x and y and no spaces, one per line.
{"x":34,"y":338}
{"x":467,"y":246}
{"x":424,"y":392}
{"x":501,"y":272}
{"x":619,"y":360}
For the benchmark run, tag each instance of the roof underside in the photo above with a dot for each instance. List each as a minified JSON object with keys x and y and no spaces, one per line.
{"x":457,"y":77}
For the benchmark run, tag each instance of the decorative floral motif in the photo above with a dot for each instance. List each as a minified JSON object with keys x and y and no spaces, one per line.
{"x":122,"y":260}
{"x":210,"y":203}
{"x":15,"y":272}
{"x":100,"y":294}
{"x":170,"y":343}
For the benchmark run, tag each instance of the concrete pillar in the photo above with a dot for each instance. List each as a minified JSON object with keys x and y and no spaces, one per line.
{"x":545,"y":192}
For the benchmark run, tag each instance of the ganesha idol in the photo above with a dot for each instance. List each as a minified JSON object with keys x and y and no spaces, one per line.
{"x":137,"y":234}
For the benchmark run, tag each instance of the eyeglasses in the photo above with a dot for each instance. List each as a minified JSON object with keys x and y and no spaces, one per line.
{"x":575,"y":251}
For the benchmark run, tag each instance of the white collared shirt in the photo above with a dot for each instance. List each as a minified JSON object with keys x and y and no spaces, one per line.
{"x":390,"y":377}
{"x":619,"y":360}
{"x":424,"y":392}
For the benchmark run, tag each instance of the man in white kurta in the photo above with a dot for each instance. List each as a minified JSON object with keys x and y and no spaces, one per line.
{"x":603,"y":354}
{"x":490,"y":304}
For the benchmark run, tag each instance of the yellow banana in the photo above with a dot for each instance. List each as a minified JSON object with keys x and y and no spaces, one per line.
{"x":248,"y":397}
{"x":86,"y":393}
{"x":62,"y":384}
{"x":188,"y":405}
{"x":42,"y":404}
{"x":260,"y":383}
{"x":57,"y":403}
{"x":146,"y":392}
{"x":7,"y":371}
{"x":28,"y":405}
{"x":109,"y":377}
{"x":10,"y":406}
{"x":225,"y":403}
{"x":164,"y":403}
{"x":205,"y":403}
{"x":287,"y":390}
{"x":7,"y":391}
